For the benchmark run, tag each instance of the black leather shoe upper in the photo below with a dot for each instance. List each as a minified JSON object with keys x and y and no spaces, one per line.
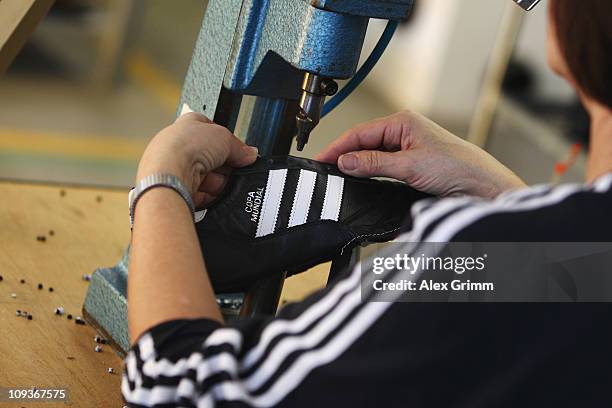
{"x":289,"y":214}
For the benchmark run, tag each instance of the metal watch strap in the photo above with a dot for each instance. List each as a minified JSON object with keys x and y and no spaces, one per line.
{"x":158,"y":180}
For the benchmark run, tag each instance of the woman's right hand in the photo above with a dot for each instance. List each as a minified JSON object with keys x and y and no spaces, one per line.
{"x":409,"y":147}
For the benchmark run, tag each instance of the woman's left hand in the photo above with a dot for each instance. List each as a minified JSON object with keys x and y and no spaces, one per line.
{"x":197,"y":151}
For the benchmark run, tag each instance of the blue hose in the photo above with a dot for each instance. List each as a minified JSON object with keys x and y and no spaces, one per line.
{"x":365,"y":69}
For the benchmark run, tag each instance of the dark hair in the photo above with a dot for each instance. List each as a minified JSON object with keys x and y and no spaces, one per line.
{"x":584,"y":32}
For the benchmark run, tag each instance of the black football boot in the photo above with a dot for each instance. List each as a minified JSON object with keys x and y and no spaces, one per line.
{"x":289,"y":214}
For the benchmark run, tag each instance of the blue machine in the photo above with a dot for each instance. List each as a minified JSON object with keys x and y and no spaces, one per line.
{"x":286,"y":53}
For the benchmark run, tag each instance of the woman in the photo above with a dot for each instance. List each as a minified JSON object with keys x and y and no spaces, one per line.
{"x":334,"y":350}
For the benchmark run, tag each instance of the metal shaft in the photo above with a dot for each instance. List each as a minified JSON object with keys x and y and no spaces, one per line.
{"x":314,"y":90}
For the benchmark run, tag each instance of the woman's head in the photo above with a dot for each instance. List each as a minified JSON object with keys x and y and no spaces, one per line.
{"x":580,"y":46}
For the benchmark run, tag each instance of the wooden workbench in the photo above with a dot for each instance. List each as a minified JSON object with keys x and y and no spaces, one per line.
{"x":90,"y":229}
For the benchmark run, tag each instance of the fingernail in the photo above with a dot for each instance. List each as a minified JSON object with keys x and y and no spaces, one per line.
{"x":349,"y":162}
{"x":253,"y":149}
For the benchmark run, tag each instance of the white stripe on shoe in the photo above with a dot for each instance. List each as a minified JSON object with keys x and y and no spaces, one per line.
{"x":271,"y":202}
{"x":333,"y":198}
{"x":302,"y":198}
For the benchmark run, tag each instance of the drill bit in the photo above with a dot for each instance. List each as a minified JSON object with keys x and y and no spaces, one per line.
{"x":314,"y":90}
{"x":304,"y":126}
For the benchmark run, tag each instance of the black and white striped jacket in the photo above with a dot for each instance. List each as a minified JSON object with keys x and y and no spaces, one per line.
{"x":334,"y":349}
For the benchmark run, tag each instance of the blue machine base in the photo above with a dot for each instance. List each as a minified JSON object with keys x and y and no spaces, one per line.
{"x":105,"y":306}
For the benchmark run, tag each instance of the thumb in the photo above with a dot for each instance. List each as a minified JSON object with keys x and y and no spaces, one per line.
{"x":371,"y":163}
{"x":241,"y":154}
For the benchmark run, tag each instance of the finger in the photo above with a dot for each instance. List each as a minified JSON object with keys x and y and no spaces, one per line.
{"x":366,"y":136}
{"x":240,"y":154}
{"x":202,"y":200}
{"x":224,"y":151}
{"x":208,"y":198}
{"x":374,"y":163}
{"x":224,"y":170}
{"x":352,"y":140}
{"x":199,"y":200}
{"x":213,"y":183}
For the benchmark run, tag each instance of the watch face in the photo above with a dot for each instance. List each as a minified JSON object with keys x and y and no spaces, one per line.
{"x":527,"y":4}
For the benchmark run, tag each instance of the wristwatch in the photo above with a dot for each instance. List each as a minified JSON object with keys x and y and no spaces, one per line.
{"x":158,"y":180}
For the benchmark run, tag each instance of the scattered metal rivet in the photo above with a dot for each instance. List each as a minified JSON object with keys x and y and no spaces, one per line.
{"x":1,"y":278}
{"x":79,"y":320}
{"x":29,"y":317}
{"x":40,"y":286}
{"x":98,"y":349}
{"x":69,"y":316}
{"x":110,"y":370}
{"x":13,"y":295}
{"x":50,"y":289}
{"x":22,"y":281}
{"x":59,"y":310}
{"x":41,"y":238}
{"x":18,"y":313}
{"x":103,"y":341}
{"x":87,"y":277}
{"x":97,"y":338}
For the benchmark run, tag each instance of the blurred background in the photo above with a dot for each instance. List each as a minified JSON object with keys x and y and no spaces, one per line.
{"x":100,"y":77}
